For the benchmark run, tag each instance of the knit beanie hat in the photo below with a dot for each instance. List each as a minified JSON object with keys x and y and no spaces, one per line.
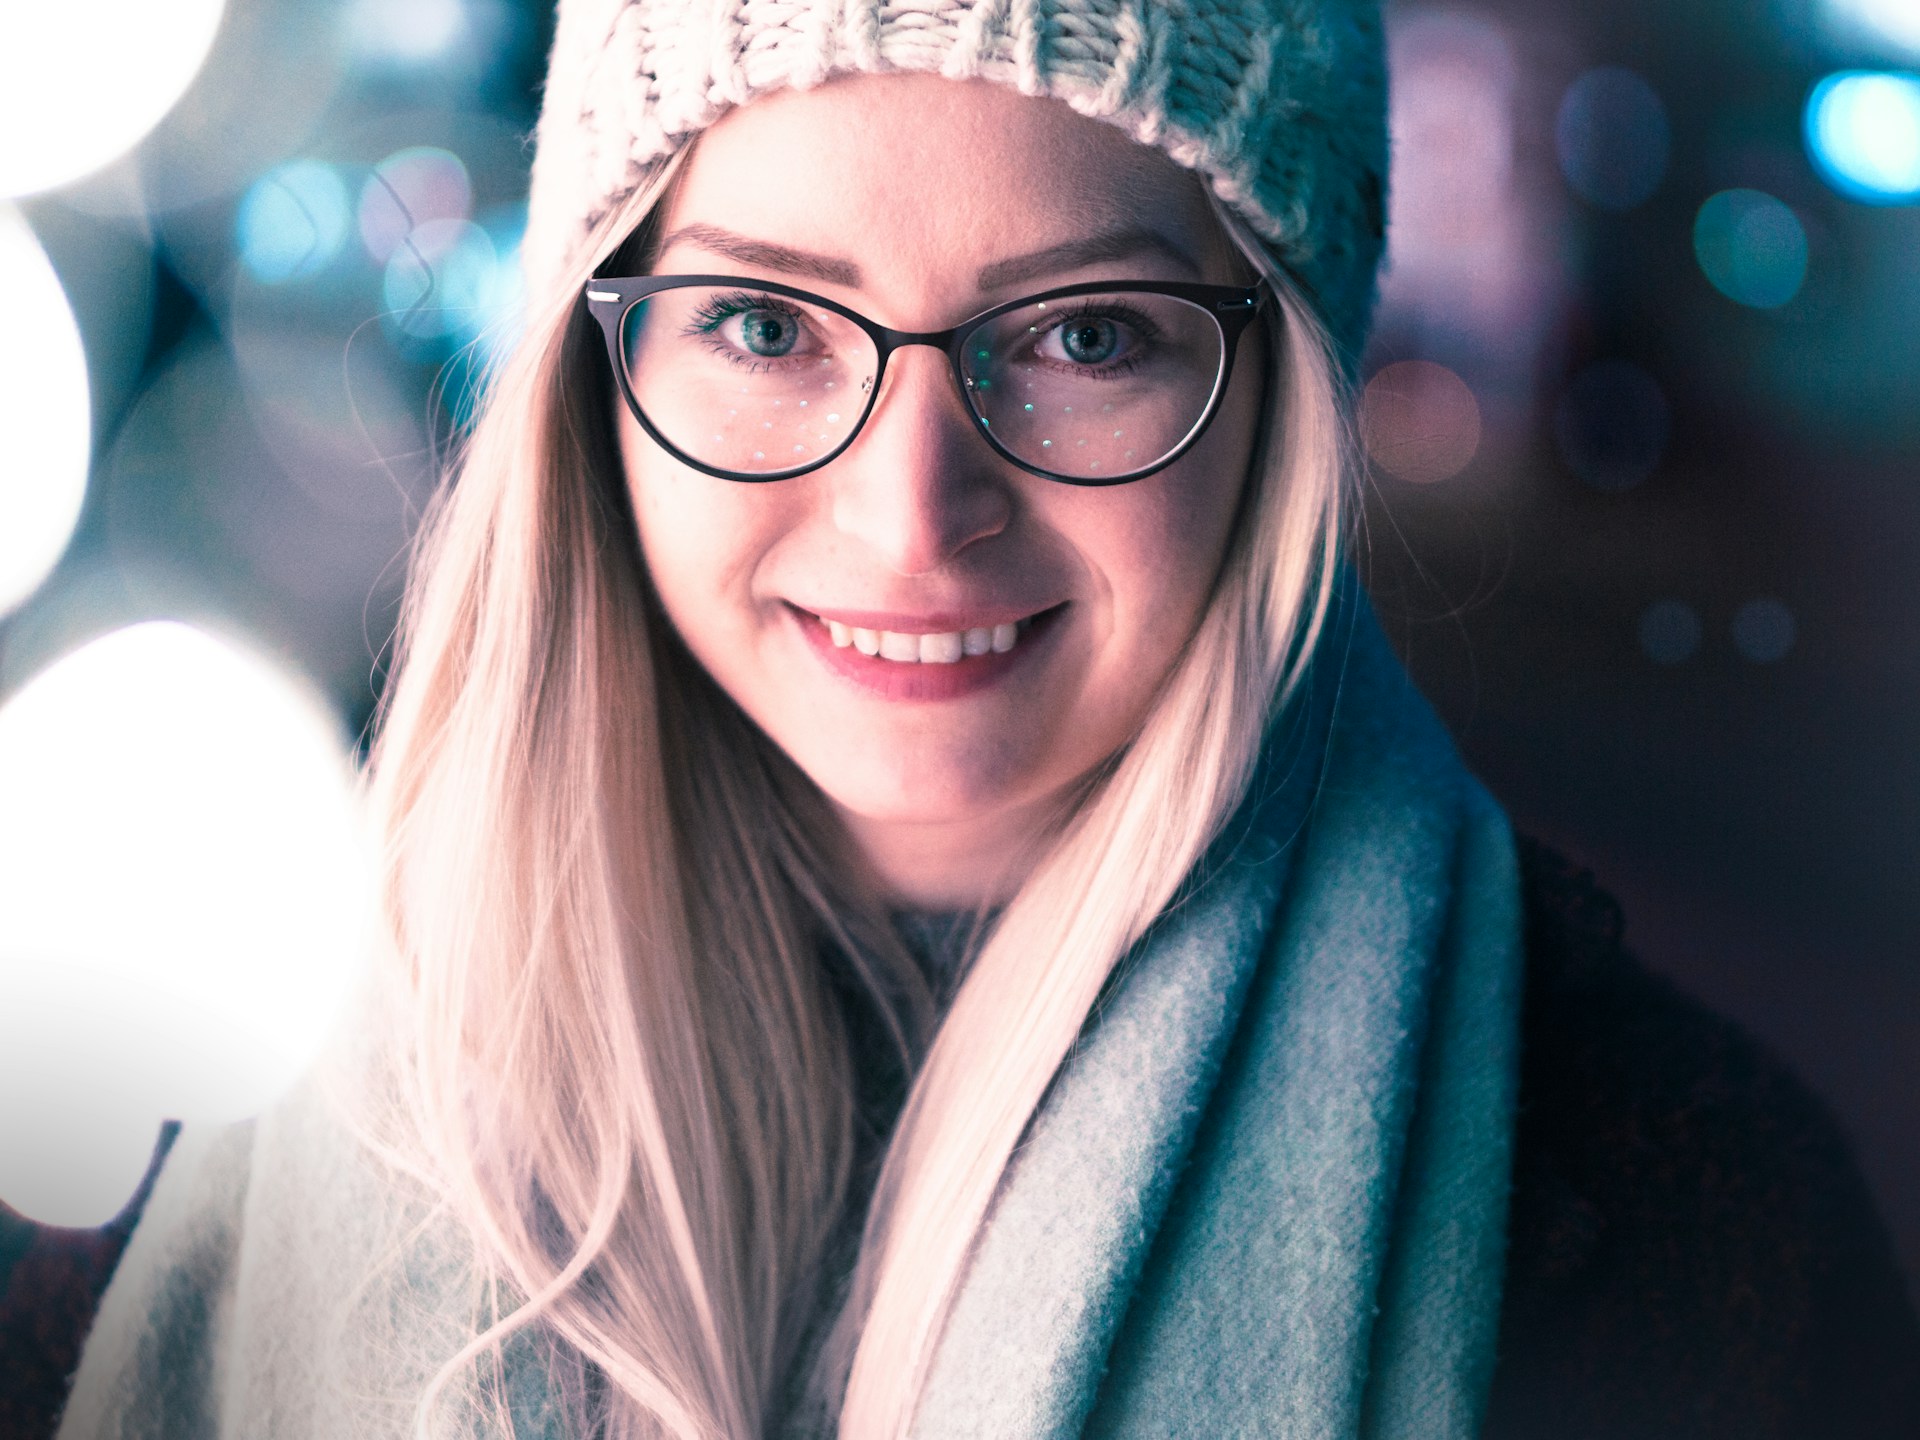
{"x":1279,"y":104}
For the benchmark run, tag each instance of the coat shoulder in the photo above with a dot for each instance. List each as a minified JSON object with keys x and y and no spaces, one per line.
{"x":1691,"y":1248}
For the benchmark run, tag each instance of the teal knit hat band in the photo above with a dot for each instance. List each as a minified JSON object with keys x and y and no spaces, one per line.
{"x":1279,"y":104}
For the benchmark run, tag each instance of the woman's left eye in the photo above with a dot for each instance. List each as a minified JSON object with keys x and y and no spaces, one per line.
{"x":1087,"y":340}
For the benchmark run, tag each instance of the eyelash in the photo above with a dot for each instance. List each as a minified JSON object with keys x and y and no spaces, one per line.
{"x":722,"y":308}
{"x":1144,"y":330}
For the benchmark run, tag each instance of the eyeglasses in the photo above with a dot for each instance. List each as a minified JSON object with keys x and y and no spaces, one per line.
{"x":1089,"y":384}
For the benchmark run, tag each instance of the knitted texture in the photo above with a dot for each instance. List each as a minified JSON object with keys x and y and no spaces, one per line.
{"x":1279,"y":104}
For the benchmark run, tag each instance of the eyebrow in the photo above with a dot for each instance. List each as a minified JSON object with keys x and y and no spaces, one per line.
{"x":833,"y":270}
{"x":766,"y":254}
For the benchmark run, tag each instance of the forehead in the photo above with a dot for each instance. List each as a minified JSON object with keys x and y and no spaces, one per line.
{"x":926,"y":182}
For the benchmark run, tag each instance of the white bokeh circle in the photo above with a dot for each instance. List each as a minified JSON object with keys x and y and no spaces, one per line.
{"x":45,"y":413}
{"x":82,"y":80}
{"x":185,"y":899}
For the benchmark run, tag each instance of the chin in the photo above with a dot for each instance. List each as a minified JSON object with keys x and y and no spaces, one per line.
{"x":910,"y":789}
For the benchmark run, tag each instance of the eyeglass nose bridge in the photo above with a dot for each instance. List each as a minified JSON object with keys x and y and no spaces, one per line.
{"x":886,"y":341}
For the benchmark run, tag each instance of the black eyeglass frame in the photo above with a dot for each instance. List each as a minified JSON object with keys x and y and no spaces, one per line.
{"x":1232,"y":308}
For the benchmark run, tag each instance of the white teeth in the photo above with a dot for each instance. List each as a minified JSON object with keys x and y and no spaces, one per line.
{"x":943,"y":649}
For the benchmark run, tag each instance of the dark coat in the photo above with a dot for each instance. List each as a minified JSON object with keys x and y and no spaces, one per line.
{"x":1692,"y":1252}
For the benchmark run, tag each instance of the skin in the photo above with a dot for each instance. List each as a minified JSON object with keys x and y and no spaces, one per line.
{"x":915,"y":187}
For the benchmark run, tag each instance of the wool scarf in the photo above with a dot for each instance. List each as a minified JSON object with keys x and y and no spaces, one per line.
{"x":1265,"y":1196}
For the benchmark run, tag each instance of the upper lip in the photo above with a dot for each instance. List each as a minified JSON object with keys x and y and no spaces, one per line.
{"x":925,"y":622}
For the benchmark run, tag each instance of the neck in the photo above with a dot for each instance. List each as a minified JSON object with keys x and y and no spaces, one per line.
{"x":952,"y":864}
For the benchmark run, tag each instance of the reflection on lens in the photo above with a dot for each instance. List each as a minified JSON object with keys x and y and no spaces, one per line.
{"x":748,"y":382}
{"x":1094,"y":387}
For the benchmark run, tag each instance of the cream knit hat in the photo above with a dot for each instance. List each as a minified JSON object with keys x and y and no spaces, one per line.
{"x":1280,"y":104}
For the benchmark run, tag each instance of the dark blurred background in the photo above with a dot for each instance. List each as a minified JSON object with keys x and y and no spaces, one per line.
{"x":1643,"y":407}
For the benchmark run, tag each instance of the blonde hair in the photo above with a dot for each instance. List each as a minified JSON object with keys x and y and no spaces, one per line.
{"x":625,"y":958}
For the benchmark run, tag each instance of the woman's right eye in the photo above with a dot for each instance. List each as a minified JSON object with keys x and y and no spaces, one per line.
{"x":748,"y":328}
{"x":768,"y":334}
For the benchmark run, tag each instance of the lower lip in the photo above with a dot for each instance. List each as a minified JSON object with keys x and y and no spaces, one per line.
{"x":924,"y":680}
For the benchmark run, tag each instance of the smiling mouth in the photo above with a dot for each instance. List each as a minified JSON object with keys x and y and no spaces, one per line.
{"x":947,"y":647}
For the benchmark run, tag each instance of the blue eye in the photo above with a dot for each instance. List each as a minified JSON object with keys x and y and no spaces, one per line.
{"x":767,"y":333}
{"x":1090,"y":341}
{"x":1103,"y":337}
{"x":746,"y":327}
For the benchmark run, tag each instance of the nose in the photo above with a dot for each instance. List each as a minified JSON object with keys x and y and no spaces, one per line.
{"x":917,"y":486}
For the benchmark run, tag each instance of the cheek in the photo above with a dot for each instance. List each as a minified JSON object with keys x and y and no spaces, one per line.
{"x":702,"y":540}
{"x":1158,"y":544}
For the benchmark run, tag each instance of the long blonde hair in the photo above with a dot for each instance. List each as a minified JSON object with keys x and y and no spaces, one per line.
{"x":625,"y":952}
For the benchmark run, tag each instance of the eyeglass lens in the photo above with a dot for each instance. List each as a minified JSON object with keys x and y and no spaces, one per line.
{"x":757,"y":384}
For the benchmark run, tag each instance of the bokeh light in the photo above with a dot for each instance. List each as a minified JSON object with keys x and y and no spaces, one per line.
{"x":444,"y":282}
{"x":1863,"y":132}
{"x":185,"y":903}
{"x":1752,"y":247}
{"x":293,"y":221}
{"x":455,"y":293}
{"x":45,"y":413}
{"x":1889,"y":22}
{"x":1764,"y":630}
{"x":1611,"y":425}
{"x":1670,"y":632}
{"x":82,"y":80}
{"x":1419,"y":421}
{"x":505,"y":320}
{"x":408,"y":189}
{"x":405,"y":32}
{"x":1612,"y":138}
{"x":1463,"y":269}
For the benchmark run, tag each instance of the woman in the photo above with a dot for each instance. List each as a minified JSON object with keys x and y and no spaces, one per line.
{"x":919,"y":900}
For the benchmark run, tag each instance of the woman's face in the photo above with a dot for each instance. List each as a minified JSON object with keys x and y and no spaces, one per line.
{"x":919,"y":202}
